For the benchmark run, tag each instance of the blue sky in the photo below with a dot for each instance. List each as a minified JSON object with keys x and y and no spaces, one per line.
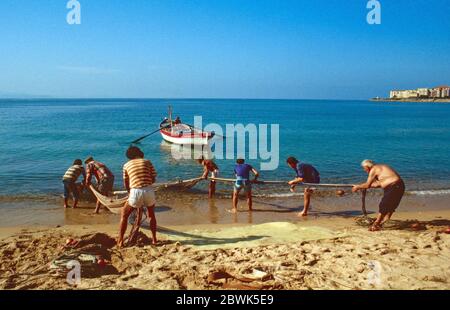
{"x":222,"y":49}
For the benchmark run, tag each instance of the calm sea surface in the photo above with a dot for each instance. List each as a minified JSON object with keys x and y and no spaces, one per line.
{"x":39,"y":139}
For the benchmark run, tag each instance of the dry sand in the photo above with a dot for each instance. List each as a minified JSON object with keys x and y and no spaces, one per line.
{"x":350,"y":258}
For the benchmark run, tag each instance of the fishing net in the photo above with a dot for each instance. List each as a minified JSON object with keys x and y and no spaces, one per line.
{"x":115,"y":203}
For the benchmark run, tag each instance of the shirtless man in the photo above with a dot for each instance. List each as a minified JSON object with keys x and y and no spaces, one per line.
{"x":383,"y":176}
{"x":209,"y":166}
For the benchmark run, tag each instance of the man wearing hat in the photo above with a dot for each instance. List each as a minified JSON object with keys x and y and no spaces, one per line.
{"x":104,"y":177}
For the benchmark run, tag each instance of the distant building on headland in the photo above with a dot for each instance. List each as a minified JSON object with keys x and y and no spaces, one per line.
{"x":442,"y":91}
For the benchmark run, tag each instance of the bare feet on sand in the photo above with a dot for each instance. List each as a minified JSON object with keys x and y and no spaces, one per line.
{"x":233,"y":210}
{"x":302,"y":214}
{"x":375,"y":227}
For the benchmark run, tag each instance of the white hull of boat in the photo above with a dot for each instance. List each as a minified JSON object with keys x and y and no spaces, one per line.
{"x":195,"y":140}
{"x":183,"y":134}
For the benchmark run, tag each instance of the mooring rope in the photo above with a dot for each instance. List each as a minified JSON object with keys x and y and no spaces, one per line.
{"x":286,"y":183}
{"x":114,"y":204}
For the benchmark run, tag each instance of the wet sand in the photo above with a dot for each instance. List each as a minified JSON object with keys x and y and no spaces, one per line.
{"x":408,"y":254}
{"x":193,"y":208}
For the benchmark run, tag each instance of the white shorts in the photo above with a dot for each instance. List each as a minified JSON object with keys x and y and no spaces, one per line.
{"x":215,"y":174}
{"x":142,"y":197}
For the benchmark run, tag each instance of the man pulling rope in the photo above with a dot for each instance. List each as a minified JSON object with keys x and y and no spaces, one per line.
{"x":138,"y":175}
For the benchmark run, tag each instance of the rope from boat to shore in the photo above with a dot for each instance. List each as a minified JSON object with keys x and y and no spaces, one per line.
{"x":285,"y":182}
{"x":114,"y":204}
{"x":186,"y":183}
{"x":363,"y":192}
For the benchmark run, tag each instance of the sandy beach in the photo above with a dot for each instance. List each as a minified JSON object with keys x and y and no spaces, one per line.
{"x":324,"y":253}
{"x":245,"y":131}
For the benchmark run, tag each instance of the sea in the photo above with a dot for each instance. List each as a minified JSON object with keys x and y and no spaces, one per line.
{"x":40,"y":138}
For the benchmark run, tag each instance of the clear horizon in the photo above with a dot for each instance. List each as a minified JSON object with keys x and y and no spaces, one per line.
{"x":173,"y":49}
{"x":172,"y":98}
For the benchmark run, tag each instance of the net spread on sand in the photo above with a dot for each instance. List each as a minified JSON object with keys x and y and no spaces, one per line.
{"x":248,"y":236}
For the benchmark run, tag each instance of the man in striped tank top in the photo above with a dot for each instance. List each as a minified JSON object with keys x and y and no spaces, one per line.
{"x":138,"y":176}
{"x":69,"y":180}
{"x":104,"y":177}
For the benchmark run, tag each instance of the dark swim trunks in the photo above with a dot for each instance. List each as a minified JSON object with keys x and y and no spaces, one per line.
{"x":392,"y":196}
{"x":105,"y":186}
{"x":70,"y":187}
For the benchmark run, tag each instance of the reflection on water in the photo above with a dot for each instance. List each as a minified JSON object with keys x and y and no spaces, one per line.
{"x":213,"y":212}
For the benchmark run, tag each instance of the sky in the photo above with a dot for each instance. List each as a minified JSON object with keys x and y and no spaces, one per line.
{"x":290,"y":49}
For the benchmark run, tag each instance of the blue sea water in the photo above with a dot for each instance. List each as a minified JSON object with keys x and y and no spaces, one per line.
{"x":39,"y":139}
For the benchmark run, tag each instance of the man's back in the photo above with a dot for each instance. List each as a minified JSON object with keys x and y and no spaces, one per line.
{"x":99,"y":170}
{"x":308,"y":173}
{"x":386,"y":175}
{"x":210,"y":165}
{"x":243,"y":170}
{"x":73,"y":173}
{"x":139,"y":172}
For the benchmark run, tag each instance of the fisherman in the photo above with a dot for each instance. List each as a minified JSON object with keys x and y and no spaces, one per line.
{"x":209,"y":166}
{"x":177,"y":121}
{"x":138,"y":176}
{"x":306,"y":173}
{"x":242,"y":172}
{"x":381,"y":175}
{"x":104,"y":177}
{"x":69,"y":180}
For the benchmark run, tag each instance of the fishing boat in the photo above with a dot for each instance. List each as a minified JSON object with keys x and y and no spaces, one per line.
{"x":177,"y":132}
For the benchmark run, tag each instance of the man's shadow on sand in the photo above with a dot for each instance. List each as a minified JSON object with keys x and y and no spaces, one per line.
{"x":409,"y":225}
{"x":278,"y":208}
{"x":415,"y":225}
{"x":283,"y":209}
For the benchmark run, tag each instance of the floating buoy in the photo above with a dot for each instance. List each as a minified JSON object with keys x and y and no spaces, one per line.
{"x":418,"y":226}
{"x":340,"y":193}
{"x":446,"y":231}
{"x":101,"y":262}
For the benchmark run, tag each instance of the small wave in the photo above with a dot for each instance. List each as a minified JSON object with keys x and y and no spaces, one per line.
{"x":430,"y":192}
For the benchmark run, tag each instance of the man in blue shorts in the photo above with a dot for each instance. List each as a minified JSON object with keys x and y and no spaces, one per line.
{"x":305,"y":173}
{"x":242,"y":172}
